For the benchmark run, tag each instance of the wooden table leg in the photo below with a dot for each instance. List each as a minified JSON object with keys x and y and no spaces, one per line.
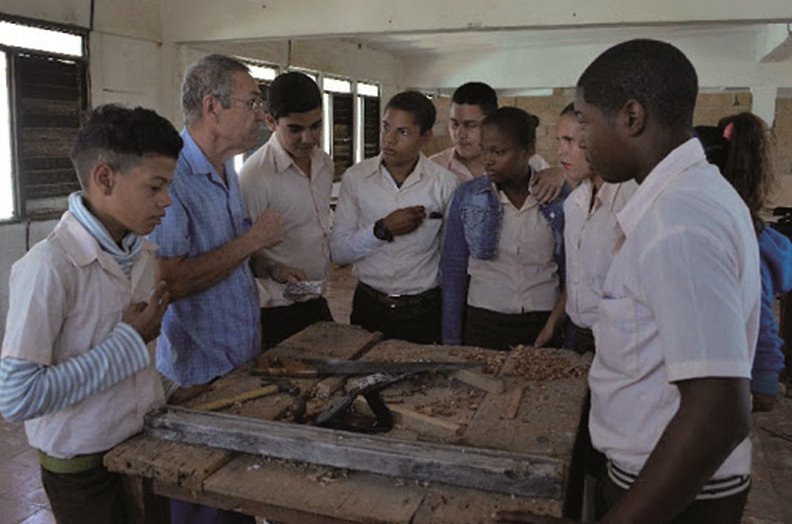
{"x":145,"y":507}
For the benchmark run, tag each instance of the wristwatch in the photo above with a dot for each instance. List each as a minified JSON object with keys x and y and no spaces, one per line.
{"x":381,"y":232}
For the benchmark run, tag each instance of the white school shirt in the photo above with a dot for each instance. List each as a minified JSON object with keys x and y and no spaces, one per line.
{"x":270,"y":179}
{"x":589,"y":240}
{"x":523,"y":276}
{"x":81,"y":293}
{"x":681,"y":301}
{"x":411,"y":263}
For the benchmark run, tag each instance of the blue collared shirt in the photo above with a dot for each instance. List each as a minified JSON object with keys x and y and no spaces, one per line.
{"x":212,"y":332}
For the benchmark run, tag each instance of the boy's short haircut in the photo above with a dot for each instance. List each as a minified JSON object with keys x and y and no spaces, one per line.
{"x":122,"y":137}
{"x":654,"y":73}
{"x":569,"y":109}
{"x":421,"y":108}
{"x":515,"y":123}
{"x":477,"y":94}
{"x":293,"y":92}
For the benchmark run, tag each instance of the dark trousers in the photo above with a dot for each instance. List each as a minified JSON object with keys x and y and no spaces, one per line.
{"x":95,"y":496}
{"x":726,"y":510}
{"x":415,"y":318}
{"x":490,"y":329}
{"x":279,"y":323}
{"x":582,"y":339}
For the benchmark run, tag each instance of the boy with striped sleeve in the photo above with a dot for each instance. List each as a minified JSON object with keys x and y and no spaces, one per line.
{"x":83,"y":304}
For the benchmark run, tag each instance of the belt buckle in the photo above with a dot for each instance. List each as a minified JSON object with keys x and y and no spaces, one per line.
{"x":392,"y":299}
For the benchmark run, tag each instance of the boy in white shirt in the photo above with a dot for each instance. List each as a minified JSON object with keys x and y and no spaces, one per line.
{"x":83,"y":304}
{"x":389,"y":223}
{"x":292,"y":175}
{"x":679,"y":317}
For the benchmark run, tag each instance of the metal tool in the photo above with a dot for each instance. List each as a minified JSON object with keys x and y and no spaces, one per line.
{"x":309,"y":368}
{"x":368,"y":387}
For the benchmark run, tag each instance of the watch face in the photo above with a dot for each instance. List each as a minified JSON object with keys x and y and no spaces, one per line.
{"x":380,"y":232}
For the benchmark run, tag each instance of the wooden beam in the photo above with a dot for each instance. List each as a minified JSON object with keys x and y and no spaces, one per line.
{"x":486,"y":469}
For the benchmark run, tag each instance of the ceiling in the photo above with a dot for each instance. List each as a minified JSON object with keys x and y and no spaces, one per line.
{"x":436,"y":44}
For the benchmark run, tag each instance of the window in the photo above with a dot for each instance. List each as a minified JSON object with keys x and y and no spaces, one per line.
{"x":351,"y":121}
{"x":43,"y":94}
{"x":368,"y":128}
{"x":6,"y":163}
{"x":340,"y":112}
{"x":264,"y":74}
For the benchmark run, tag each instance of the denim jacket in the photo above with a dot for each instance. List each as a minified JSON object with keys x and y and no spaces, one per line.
{"x":473,"y":230}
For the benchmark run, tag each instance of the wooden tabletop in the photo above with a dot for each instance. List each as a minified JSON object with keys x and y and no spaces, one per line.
{"x":469,"y":409}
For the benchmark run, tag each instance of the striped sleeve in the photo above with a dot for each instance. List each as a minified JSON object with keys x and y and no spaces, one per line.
{"x":29,"y":390}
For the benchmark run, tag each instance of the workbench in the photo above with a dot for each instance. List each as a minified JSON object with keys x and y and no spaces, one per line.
{"x":470,"y":410}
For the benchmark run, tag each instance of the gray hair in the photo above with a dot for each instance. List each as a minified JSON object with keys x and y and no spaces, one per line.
{"x":211,"y":75}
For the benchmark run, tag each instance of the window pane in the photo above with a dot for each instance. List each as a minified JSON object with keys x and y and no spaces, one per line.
{"x":6,"y":183}
{"x":367,"y":89}
{"x":263,"y":72}
{"x":40,"y":39}
{"x":337,"y":85}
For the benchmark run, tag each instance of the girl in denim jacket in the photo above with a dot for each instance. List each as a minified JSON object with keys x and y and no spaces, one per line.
{"x":502,"y":264}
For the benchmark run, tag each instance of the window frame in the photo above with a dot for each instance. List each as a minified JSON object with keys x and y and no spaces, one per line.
{"x":20,"y":213}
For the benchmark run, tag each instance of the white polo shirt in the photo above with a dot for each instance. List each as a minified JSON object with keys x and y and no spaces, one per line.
{"x":681,"y":301}
{"x":67,"y":296}
{"x":271,"y":180}
{"x":589,"y":240}
{"x":523,"y":276}
{"x":411,"y":263}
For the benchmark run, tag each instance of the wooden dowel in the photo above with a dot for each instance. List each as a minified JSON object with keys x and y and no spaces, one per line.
{"x":242,"y":397}
{"x":516,"y":400}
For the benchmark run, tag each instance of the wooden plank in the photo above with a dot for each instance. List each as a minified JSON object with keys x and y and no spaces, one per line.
{"x":548,"y":416}
{"x":486,"y":469}
{"x":172,"y":462}
{"x":326,"y":340}
{"x":480,"y":380}
{"x":454,"y":505}
{"x":318,"y":491}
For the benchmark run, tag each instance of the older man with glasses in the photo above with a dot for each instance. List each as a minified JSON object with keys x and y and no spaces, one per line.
{"x":205,"y":241}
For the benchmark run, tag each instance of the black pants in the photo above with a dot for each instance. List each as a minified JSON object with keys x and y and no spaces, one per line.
{"x":279,"y":323}
{"x":726,"y":510}
{"x":493,"y":330}
{"x":415,"y":318}
{"x":95,"y":496}
{"x":582,"y":339}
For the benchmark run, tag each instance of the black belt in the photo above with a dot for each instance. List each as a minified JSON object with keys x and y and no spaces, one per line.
{"x":400,"y":301}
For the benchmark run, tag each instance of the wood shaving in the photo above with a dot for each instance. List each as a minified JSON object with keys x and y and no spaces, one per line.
{"x":546,"y":364}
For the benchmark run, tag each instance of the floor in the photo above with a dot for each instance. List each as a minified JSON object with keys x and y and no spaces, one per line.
{"x":23,"y":501}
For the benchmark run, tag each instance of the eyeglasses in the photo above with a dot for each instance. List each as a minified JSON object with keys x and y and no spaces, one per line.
{"x":253,"y":104}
